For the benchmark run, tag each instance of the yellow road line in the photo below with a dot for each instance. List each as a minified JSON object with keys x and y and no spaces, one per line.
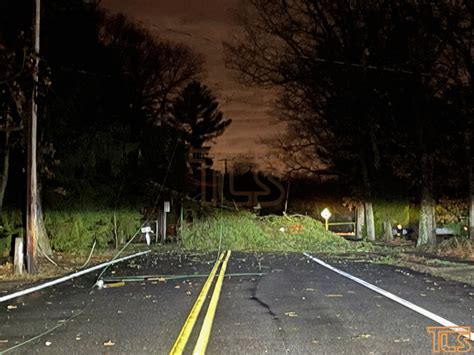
{"x":188,"y":326}
{"x":200,"y":348}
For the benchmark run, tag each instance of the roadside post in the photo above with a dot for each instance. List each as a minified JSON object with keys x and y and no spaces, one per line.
{"x":326,"y":214}
{"x":147,"y":230}
{"x":166,"y":209}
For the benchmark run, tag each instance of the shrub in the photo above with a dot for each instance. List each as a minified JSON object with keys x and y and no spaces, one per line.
{"x":11,"y":225}
{"x":74,"y":231}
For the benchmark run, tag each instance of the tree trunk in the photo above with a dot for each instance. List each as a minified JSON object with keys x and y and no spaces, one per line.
{"x":369,"y":211}
{"x":471,"y":209}
{"x":369,"y":217}
{"x":42,"y":235}
{"x":470,"y":176}
{"x":360,"y":221}
{"x":6,"y":164}
{"x":427,"y":227}
{"x":426,"y":230}
{"x":388,"y":232}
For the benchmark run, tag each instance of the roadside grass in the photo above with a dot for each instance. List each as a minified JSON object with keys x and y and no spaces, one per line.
{"x":75,"y":231}
{"x":66,"y":263}
{"x":243,"y":231}
{"x":461,"y":247}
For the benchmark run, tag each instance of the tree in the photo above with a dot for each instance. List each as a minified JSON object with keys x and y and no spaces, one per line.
{"x":12,"y":105}
{"x":196,"y":117}
{"x":109,"y":84}
{"x":349,"y":73}
{"x":18,"y":62}
{"x":456,"y":26}
{"x":113,"y":87}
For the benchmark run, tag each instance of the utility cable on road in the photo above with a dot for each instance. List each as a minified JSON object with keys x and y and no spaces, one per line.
{"x":55,"y":282}
{"x":148,"y":218}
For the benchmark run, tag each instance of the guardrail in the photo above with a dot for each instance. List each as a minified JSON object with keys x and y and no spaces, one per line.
{"x":350,"y":234}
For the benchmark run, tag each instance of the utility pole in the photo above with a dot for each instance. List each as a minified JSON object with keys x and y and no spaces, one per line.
{"x":31,"y":180}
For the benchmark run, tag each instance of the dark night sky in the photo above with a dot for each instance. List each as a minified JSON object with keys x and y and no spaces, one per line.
{"x":203,"y":25}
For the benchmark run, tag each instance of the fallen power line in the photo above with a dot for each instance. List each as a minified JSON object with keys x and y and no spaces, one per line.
{"x":68,"y":277}
{"x":139,"y":278}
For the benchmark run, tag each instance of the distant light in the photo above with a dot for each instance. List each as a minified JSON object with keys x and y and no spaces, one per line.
{"x":399,"y":226}
{"x":465,"y":228}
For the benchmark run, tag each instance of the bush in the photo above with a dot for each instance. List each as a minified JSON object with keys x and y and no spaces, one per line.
{"x":74,"y":231}
{"x":11,"y":225}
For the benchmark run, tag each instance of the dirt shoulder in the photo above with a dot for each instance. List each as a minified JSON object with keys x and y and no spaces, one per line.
{"x":65,"y":264}
{"x":447,"y":267}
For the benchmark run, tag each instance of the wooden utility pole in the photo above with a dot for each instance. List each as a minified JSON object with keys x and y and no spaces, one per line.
{"x":32,"y":184}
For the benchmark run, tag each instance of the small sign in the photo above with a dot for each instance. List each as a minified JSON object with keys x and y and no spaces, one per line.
{"x":167,"y":207}
{"x":326,"y":214}
{"x":146,"y":229}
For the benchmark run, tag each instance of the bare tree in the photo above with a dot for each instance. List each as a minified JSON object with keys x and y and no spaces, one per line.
{"x":338,"y":65}
{"x":157,"y":68}
{"x":456,"y":26}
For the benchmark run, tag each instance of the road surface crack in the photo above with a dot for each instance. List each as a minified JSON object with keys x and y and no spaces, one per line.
{"x":275,"y":316}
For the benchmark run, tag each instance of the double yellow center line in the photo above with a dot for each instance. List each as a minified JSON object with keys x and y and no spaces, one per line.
{"x":188,"y":326}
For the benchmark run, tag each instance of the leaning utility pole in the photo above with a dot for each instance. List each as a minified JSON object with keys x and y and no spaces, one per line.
{"x":32,"y":185}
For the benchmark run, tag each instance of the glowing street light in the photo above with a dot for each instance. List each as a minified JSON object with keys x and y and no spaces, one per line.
{"x":326,"y":214}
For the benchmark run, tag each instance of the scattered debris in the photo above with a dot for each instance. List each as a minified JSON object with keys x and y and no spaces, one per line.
{"x":114,"y":284}
{"x":403,"y":340}
{"x":109,"y":343}
{"x":291,"y":314}
{"x":160,"y":279}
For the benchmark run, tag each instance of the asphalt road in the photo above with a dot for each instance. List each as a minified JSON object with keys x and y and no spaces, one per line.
{"x":296,"y":307}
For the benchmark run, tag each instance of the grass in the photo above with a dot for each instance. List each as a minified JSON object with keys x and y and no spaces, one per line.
{"x":461,"y":247}
{"x":244,"y":231}
{"x":75,"y":231}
